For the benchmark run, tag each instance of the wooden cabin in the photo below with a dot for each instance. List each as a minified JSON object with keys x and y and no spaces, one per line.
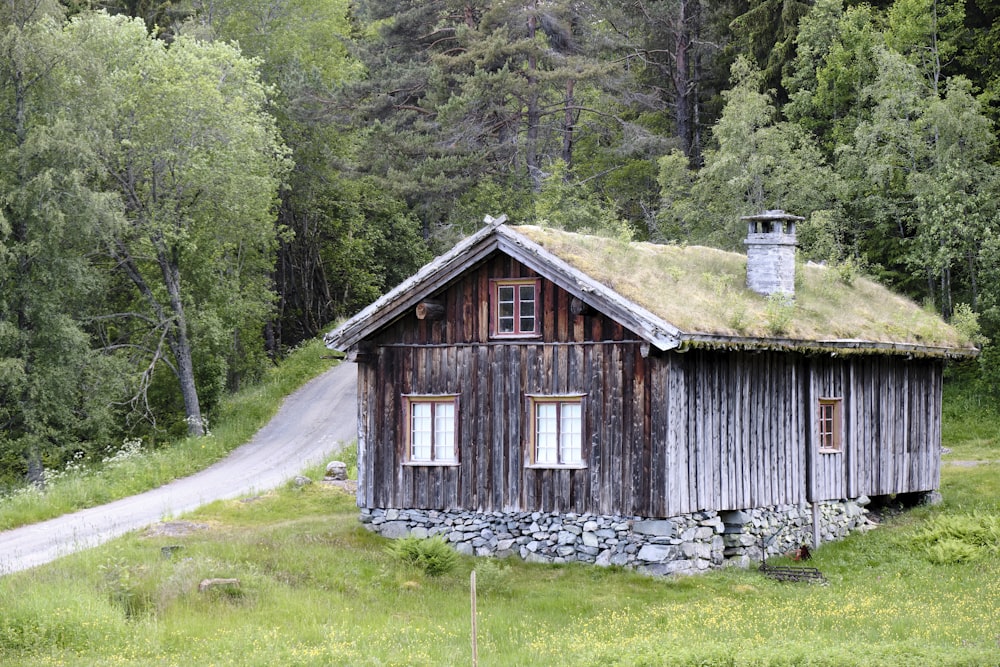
{"x":535,"y":370}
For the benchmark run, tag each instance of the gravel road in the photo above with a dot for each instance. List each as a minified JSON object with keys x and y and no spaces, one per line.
{"x":312,"y":424}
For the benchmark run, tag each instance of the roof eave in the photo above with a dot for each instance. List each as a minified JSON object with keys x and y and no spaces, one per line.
{"x":395,"y":303}
{"x":830,"y":346}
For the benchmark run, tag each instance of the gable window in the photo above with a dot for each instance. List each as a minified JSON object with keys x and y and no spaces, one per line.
{"x":828,"y":421}
{"x":556,"y":431}
{"x":430,"y":430}
{"x":514,"y":307}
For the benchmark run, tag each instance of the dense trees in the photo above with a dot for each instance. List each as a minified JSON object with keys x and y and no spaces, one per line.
{"x":140,"y":230}
{"x":189,"y":187}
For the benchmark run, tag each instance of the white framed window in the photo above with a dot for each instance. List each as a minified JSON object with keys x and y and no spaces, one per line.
{"x":556,"y":432}
{"x":828,"y":420}
{"x":514,"y":307}
{"x":431,"y":429}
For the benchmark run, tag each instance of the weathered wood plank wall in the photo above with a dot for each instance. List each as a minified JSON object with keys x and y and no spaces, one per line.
{"x":665,"y":434}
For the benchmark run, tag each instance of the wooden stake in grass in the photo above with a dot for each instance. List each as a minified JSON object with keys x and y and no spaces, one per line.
{"x":472,"y":592}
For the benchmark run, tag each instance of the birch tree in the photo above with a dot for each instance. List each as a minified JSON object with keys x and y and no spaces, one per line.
{"x":195,"y":161}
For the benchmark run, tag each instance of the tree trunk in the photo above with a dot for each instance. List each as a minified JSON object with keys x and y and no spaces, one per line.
{"x":180,"y":345}
{"x":533,"y":114}
{"x":568,"y":125}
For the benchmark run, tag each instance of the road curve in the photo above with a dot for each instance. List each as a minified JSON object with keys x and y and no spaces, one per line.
{"x":312,"y":423}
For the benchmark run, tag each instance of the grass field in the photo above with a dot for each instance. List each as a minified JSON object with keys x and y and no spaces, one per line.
{"x":316,"y":588}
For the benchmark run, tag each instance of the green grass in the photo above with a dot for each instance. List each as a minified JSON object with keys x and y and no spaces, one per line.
{"x":316,"y":588}
{"x":238,"y":418}
{"x":970,"y":424}
{"x":704,"y":292}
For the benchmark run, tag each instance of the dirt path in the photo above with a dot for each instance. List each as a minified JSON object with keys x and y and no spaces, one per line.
{"x":312,"y":424}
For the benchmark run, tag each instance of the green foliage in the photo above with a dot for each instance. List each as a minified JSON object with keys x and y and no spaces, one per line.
{"x":778,"y":313}
{"x":303,"y":556}
{"x":433,"y":555}
{"x":959,"y":538}
{"x":494,"y":578}
{"x":127,"y":588}
{"x":131,"y":467}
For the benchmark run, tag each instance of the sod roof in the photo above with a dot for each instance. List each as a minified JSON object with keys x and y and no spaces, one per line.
{"x":702,"y":292}
{"x":677,"y":297}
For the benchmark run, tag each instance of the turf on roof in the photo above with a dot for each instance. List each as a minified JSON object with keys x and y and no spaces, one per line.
{"x":703,"y":291}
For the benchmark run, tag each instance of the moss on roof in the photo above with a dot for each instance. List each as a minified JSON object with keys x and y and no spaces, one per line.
{"x":703,"y":290}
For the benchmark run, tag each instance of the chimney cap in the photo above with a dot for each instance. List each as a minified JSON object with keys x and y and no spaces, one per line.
{"x":774,"y":214}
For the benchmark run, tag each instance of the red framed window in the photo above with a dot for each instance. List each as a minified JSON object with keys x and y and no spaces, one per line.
{"x":431,"y":430}
{"x":828,"y":421}
{"x":514,"y":307}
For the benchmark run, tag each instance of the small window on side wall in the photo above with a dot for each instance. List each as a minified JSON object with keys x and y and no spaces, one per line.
{"x":431,"y":427}
{"x":829,"y":423}
{"x":556,"y":432}
{"x":514,"y":307}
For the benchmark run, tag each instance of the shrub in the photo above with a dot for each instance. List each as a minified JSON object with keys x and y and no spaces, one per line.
{"x":959,"y":538}
{"x":432,"y":555}
{"x":493,"y":577}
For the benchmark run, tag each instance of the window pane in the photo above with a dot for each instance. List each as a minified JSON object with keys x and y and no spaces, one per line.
{"x":827,"y":425}
{"x":546,"y":435}
{"x":570,"y":433}
{"x":444,"y":432}
{"x":420,"y":431}
{"x":526,"y":309}
{"x":505,"y":309}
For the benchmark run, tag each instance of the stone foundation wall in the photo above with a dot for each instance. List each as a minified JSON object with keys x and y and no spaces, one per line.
{"x":684,"y":544}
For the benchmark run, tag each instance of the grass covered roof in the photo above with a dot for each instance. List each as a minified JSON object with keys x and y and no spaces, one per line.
{"x":702,"y":291}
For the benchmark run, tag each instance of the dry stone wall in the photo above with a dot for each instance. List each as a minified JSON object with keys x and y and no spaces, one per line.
{"x":685,"y":544}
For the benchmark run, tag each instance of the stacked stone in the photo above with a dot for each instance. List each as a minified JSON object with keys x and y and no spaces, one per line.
{"x":684,"y":544}
{"x":784,"y":528}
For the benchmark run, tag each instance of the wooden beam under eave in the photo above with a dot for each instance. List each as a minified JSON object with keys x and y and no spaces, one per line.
{"x":429,"y":309}
{"x":578,"y":306}
{"x":362,"y":353}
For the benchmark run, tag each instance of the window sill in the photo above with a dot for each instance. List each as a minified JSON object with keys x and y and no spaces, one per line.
{"x":431,"y":464}
{"x":515,"y":336}
{"x":831,"y":451}
{"x":555,"y":466}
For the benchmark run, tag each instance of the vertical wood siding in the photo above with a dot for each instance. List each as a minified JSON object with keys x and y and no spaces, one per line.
{"x":891,"y":427}
{"x":663,"y":435}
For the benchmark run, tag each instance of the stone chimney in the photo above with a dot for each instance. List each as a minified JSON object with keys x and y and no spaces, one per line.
{"x":770,"y":246}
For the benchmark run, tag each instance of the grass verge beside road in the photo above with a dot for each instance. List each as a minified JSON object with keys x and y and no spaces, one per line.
{"x":134,"y":469}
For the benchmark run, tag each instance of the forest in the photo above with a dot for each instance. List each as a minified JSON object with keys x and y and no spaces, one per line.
{"x":190,"y":189}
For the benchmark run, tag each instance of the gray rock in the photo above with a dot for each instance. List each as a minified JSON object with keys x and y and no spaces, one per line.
{"x":735,"y":517}
{"x":394,"y":529}
{"x":655,"y":553}
{"x":696,"y":550}
{"x":336,"y":471}
{"x":566,"y":537}
{"x":656,"y":528}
